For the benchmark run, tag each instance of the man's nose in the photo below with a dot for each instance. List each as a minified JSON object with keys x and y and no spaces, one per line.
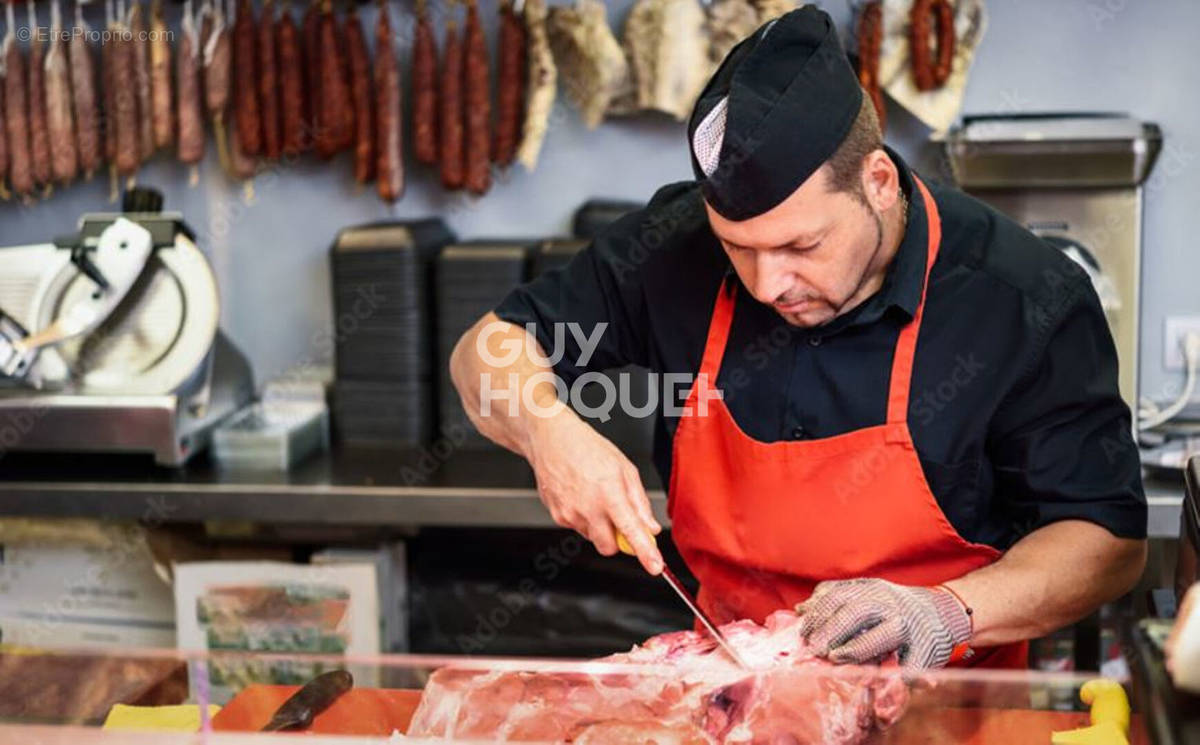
{"x":770,"y":277}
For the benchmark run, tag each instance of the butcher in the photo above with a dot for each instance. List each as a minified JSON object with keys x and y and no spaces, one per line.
{"x":903,"y":418}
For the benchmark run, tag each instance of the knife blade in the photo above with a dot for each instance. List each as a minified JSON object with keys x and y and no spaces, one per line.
{"x":625,"y":547}
{"x":298,"y":712}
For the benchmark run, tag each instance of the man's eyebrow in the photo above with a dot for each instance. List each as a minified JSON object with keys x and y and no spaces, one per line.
{"x":803,"y":239}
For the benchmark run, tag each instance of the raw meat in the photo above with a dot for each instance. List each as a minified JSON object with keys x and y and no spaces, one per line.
{"x":691,"y":693}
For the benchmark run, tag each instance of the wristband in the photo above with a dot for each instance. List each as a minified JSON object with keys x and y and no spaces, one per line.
{"x":966,"y":608}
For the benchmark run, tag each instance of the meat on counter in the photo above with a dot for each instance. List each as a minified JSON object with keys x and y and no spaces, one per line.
{"x":791,"y":696}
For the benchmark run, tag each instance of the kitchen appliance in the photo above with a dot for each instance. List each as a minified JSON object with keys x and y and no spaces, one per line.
{"x":1076,"y":180}
{"x":109,"y":339}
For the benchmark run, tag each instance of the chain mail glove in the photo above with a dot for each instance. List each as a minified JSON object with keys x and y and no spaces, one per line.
{"x":862,"y":620}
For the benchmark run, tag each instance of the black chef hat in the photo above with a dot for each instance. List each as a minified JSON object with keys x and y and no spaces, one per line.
{"x":777,"y":108}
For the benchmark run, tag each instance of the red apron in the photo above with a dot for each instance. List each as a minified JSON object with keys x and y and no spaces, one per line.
{"x":760,"y":524}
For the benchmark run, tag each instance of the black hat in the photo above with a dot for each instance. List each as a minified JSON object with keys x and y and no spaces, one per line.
{"x":777,"y":108}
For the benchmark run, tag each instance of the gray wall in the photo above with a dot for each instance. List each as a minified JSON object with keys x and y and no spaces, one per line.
{"x":271,"y":255}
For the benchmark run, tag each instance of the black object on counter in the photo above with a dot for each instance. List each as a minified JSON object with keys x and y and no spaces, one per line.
{"x":383,"y":331}
{"x":595,"y":215}
{"x":554,"y":253}
{"x":543,"y":593}
{"x":298,"y":712}
{"x":470,"y":279}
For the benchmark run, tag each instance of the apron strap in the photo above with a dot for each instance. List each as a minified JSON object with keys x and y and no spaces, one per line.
{"x":718,"y":331}
{"x":906,"y":345}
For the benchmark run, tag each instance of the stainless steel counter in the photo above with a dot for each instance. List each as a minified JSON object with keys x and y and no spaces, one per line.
{"x":352,"y":487}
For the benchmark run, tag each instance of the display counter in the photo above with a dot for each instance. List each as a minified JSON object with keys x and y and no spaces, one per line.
{"x":168,"y":696}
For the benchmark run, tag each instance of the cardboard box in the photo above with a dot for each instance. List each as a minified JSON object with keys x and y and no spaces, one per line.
{"x":69,"y":595}
{"x":293,"y":609}
{"x":391,"y":573}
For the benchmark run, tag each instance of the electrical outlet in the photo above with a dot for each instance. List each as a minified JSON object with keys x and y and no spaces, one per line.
{"x":1175,"y":329}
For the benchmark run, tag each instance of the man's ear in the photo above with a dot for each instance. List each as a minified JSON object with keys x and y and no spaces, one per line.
{"x":880,"y":181}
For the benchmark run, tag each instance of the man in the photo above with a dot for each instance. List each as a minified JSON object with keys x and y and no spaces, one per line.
{"x":920,"y":439}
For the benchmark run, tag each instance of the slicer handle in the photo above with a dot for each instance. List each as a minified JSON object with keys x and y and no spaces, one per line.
{"x":80,"y":257}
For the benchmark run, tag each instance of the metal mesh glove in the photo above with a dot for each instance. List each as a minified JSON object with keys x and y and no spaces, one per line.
{"x":862,"y":620}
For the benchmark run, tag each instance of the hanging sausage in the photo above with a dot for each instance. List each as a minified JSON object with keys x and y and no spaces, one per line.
{"x":108,"y":102}
{"x":268,"y":82}
{"x":242,"y":167}
{"x":245,"y":81}
{"x":335,"y":111}
{"x":310,"y":45}
{"x":388,"y":112}
{"x":84,"y":98}
{"x":39,"y":135}
{"x":478,"y":104}
{"x":450,"y":109}
{"x":424,"y":89}
{"x":216,"y":70}
{"x":190,"y":146}
{"x":870,"y":42}
{"x":361,"y":91}
{"x":510,"y":84}
{"x":162,"y":111}
{"x":925,"y":17}
{"x":124,"y":116}
{"x":60,"y":124}
{"x":140,"y":46}
{"x":16,"y":112}
{"x":291,"y":83}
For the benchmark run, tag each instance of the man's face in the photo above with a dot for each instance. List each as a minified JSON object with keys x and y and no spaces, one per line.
{"x":808,"y":256}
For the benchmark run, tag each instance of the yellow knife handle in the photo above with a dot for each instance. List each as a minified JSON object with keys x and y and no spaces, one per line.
{"x":623,"y":544}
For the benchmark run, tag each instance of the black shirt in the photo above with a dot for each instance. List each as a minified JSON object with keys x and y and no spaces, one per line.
{"x":1014,"y":409}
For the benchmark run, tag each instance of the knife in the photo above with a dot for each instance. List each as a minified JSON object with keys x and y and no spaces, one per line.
{"x":690,"y":602}
{"x":298,"y":712}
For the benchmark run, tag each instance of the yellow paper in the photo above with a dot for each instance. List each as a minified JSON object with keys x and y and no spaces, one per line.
{"x":183,"y":718}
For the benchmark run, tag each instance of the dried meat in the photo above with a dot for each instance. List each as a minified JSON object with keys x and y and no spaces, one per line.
{"x":592,"y":63}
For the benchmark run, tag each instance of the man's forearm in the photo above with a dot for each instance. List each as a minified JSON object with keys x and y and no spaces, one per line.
{"x":1051,"y":578}
{"x":486,"y":388}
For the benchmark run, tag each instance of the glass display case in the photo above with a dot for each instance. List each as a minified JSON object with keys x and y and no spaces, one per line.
{"x":177,"y":697}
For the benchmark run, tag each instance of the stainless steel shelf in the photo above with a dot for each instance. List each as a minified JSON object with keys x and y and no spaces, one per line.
{"x":350,"y":487}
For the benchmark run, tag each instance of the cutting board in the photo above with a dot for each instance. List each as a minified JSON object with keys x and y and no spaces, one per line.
{"x":379,"y":711}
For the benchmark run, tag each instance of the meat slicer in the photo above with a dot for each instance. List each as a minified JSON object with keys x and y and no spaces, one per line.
{"x":109,"y":340}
